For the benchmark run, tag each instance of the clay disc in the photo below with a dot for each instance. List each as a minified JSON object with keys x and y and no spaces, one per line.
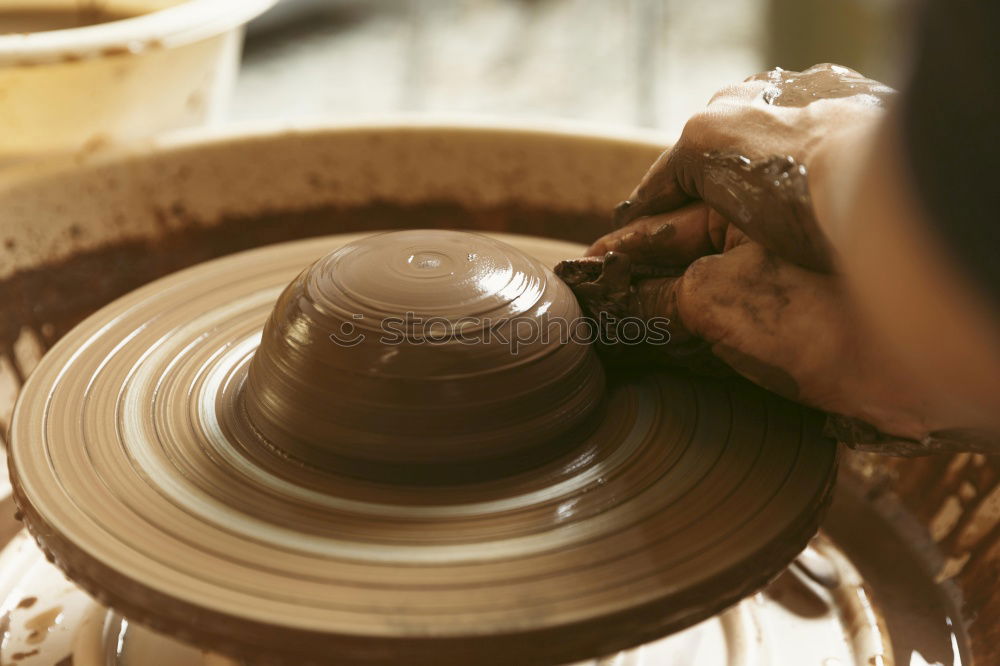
{"x":135,"y":470}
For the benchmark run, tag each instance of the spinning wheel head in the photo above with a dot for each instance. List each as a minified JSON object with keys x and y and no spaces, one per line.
{"x":160,"y":455}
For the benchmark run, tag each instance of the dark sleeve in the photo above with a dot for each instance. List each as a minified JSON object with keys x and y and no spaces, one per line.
{"x":951,"y":116}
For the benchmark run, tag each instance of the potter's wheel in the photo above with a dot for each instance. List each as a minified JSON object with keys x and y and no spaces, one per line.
{"x":139,"y":472}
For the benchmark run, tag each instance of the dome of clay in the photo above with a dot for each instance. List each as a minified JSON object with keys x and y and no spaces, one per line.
{"x":422,"y":348}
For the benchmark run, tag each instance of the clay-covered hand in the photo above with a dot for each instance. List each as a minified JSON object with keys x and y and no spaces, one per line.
{"x":747,"y":155}
{"x":729,"y":300}
{"x":745,"y":276}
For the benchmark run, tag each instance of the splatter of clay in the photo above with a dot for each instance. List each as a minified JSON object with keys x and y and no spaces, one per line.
{"x":40,"y":625}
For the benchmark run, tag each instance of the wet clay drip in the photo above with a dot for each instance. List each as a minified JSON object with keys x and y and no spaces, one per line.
{"x":421,"y":348}
{"x":136,"y":468}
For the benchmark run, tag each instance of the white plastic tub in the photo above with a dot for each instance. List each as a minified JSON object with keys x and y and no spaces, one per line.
{"x":170,"y":66}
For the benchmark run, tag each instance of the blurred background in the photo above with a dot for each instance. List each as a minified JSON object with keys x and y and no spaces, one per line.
{"x":650,"y":63}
